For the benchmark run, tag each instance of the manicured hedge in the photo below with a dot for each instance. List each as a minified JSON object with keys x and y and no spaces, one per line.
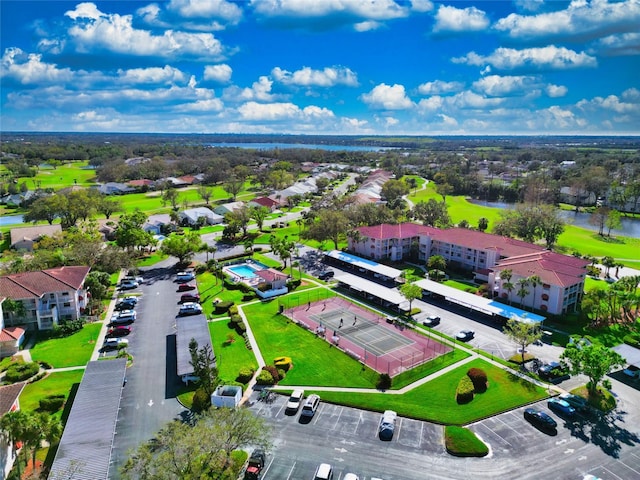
{"x":479,"y":379}
{"x":245,"y":374}
{"x":20,"y":371}
{"x":264,"y":378}
{"x":464,"y":392}
{"x":52,"y":403}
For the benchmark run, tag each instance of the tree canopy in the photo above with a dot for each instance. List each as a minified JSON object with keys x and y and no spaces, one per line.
{"x":593,"y":360}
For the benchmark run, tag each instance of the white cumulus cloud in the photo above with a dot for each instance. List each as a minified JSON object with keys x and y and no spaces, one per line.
{"x":29,"y":69}
{"x":587,"y":19}
{"x":218,"y":73}
{"x":555,"y":91}
{"x":281,"y":111}
{"x":452,"y":19}
{"x":153,"y":75}
{"x":308,"y":77}
{"x":499,"y":86}
{"x":439,"y":86}
{"x":93,"y":30}
{"x":388,"y":97}
{"x":549,"y":57}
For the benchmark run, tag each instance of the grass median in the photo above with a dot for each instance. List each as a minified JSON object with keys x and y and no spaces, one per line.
{"x":435,"y":401}
{"x":71,"y":351}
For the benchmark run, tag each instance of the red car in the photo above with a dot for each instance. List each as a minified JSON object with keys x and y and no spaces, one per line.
{"x":190,"y":297}
{"x":185,"y":287}
{"x":121,"y":331}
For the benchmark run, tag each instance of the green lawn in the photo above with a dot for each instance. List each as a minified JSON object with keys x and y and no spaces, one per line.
{"x":315,"y":362}
{"x":66,"y":175}
{"x":69,"y":351}
{"x":436,"y":402}
{"x":231,"y":357}
{"x":54,"y":383}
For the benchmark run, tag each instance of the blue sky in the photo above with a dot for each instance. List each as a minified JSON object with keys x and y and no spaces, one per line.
{"x":357,"y":67}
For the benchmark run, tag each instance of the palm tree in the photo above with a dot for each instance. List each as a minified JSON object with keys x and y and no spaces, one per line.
{"x":13,"y":425}
{"x":522,"y":283}
{"x":534,"y":281}
{"x":608,"y":262}
{"x":505,"y":276}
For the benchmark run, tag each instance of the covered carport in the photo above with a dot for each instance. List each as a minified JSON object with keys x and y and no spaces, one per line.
{"x":479,"y":304}
{"x":629,"y":353}
{"x":190,"y":328}
{"x":372,"y":291}
{"x":362,"y":267}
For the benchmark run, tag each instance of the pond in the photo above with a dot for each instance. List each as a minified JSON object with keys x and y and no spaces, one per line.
{"x":11,"y":220}
{"x":630,"y":226}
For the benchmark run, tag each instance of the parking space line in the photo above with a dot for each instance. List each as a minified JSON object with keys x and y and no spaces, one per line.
{"x":490,"y":430}
{"x":632,"y":469}
{"x":510,"y":427}
{"x":421,"y":432}
{"x":268,"y":466}
{"x":606,"y":469}
{"x":280,"y":409}
{"x":291,"y":471}
{"x":399,"y":426}
{"x":338,"y":420}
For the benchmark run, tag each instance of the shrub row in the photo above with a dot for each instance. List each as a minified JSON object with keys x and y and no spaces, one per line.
{"x":464,"y":392}
{"x":479,"y":379}
{"x":475,"y":381}
{"x":20,"y":371}
{"x":270,"y":375}
{"x":52,"y":403}
{"x":222,"y":307}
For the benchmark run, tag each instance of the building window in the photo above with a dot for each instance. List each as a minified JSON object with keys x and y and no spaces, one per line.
{"x":545,"y":297}
{"x":546,"y":286}
{"x":66,"y":304}
{"x":65,"y":294}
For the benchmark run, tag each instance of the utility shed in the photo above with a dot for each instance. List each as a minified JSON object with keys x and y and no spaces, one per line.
{"x":85,"y":448}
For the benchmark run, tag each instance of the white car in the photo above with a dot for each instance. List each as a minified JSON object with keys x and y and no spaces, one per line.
{"x":183,"y":277}
{"x":189,"y":308}
{"x":295,"y":400}
{"x":123,"y":317}
{"x":351,"y":476}
{"x":115,"y":343}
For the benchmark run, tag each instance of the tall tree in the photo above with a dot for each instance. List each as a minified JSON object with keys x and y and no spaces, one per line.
{"x":14,"y":426}
{"x":259,"y":214}
{"x":328,"y":224}
{"x":593,"y":360}
{"x":411,"y":292}
{"x":183,"y":247}
{"x":534,"y":280}
{"x":204,"y":366}
{"x":505,"y":276}
{"x":205,"y":193}
{"x":233,"y":186}
{"x":199,"y":450}
{"x":522,"y":333}
{"x":522,"y":292}
{"x":432,"y":213}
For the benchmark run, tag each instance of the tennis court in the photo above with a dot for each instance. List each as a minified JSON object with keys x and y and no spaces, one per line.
{"x":386,"y":347}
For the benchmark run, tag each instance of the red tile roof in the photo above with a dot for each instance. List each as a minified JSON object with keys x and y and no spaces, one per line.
{"x":265,"y":202}
{"x":11,"y":334}
{"x":140,"y":183}
{"x":388,"y":231}
{"x":505,"y":246}
{"x":35,"y":284}
{"x":8,"y":396}
{"x":552,"y":268}
{"x":271,"y":274}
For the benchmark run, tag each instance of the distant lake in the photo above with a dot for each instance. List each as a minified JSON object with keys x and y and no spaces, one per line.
{"x":11,"y":220}
{"x":307,"y":146}
{"x":630,"y":226}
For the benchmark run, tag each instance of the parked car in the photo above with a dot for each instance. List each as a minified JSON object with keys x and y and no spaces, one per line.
{"x":431,"y":321}
{"x":125,"y":304}
{"x":128,"y":285}
{"x":553,"y":372}
{"x":351,"y":476}
{"x":190,"y":378}
{"x":255,"y":465}
{"x":190,"y":297}
{"x":190,"y":308}
{"x":387,"y":425}
{"x":120,"y":331}
{"x":323,"y":472}
{"x":579,"y":403}
{"x":184,"y":277}
{"x":632,"y":371}
{"x":539,"y":419}
{"x":123,"y":317}
{"x":135,"y":278}
{"x":295,"y":400}
{"x":114,"y":343}
{"x":560,"y":406}
{"x":185,"y":287}
{"x":326,"y":275}
{"x":465,"y":335}
{"x":310,"y":406}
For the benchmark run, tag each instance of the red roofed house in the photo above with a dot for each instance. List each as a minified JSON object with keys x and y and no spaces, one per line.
{"x":484,"y":253}
{"x":273,"y":277}
{"x":270,"y":203}
{"x":47,"y":296}
{"x":9,"y":402}
{"x":561,"y":284}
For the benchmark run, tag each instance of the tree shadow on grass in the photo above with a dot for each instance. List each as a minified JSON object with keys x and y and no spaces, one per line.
{"x":522,"y":382}
{"x":604,"y":430}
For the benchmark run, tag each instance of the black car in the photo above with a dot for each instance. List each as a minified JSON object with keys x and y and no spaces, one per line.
{"x":125,"y":304}
{"x":539,"y":419}
{"x":465,"y":335}
{"x":431,"y":321}
{"x":326,"y":275}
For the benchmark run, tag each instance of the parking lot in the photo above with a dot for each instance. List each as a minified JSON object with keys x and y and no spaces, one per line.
{"x":346,"y":438}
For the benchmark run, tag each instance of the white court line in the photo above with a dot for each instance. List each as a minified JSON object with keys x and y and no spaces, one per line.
{"x":291,"y":471}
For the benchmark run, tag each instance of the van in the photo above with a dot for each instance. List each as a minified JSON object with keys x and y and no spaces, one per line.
{"x":324,"y":471}
{"x":310,"y":406}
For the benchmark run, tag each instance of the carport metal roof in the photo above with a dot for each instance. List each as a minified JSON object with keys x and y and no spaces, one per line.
{"x":188,"y":328}
{"x":85,"y":447}
{"x":368,"y":265}
{"x":481,"y":304}
{"x":629,"y":353}
{"x":390,"y":295}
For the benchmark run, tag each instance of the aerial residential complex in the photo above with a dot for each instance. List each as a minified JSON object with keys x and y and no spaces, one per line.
{"x":561,"y":277}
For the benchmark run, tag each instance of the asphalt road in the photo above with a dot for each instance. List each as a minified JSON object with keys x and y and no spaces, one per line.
{"x":148,"y":399}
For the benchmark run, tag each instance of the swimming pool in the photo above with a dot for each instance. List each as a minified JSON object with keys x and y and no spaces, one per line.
{"x":246,"y":271}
